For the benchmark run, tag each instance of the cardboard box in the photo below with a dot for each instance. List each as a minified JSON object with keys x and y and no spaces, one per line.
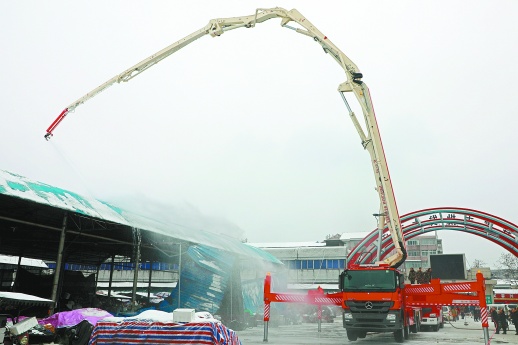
{"x":24,"y":326}
{"x":184,"y":315}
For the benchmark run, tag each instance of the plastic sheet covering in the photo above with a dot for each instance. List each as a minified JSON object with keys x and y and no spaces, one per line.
{"x":205,"y":277}
{"x":155,"y":327}
{"x":74,"y":317}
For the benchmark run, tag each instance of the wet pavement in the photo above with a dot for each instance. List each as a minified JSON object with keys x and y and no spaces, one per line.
{"x":458,"y":333}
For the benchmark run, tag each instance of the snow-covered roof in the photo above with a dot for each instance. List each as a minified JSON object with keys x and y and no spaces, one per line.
{"x":287,"y":244}
{"x":22,"y":298}
{"x":13,"y":260}
{"x":21,"y":187}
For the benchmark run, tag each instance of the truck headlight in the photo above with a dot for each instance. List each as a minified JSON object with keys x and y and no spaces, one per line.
{"x":348,"y":316}
{"x":391,"y":317}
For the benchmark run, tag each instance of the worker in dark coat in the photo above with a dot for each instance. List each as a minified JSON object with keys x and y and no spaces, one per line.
{"x":427,"y":276}
{"x":419,"y":276}
{"x":502,"y":321}
{"x":514,"y":318}
{"x":411,"y":275}
{"x":494,"y":318}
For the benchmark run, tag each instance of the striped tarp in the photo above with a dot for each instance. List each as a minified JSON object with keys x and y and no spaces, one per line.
{"x":151,"y":332}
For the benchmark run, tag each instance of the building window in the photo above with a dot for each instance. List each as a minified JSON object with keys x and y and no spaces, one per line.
{"x":413,"y":243}
{"x":320,"y":264}
{"x":428,"y":241}
{"x":315,"y":264}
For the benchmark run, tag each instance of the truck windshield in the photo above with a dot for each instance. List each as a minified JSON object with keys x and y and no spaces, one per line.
{"x":369,"y":280}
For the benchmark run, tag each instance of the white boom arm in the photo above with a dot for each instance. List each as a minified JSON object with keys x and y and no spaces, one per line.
{"x":370,"y":141}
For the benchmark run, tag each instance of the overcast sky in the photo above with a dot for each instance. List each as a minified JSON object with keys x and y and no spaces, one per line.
{"x":249,"y":128}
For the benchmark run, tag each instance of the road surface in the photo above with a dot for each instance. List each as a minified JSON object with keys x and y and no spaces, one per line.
{"x":461,"y":332}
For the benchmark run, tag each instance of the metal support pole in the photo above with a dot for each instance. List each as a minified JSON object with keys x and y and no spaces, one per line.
{"x":112,"y":267}
{"x":59,"y":263}
{"x":319,"y":318}
{"x":136,"y":260}
{"x":483,"y":307}
{"x":266,"y":319}
{"x":15,"y":283}
{"x":149,"y":280}
{"x":179,"y":274}
{"x":486,"y":335}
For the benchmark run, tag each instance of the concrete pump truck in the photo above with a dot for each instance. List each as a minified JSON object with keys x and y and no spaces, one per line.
{"x":377,"y":285}
{"x":373,"y":297}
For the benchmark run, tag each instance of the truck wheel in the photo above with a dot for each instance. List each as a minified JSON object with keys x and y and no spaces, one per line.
{"x":436,"y":328}
{"x":413,"y":328}
{"x":398,"y":336}
{"x":362,"y":335}
{"x":441,"y":325}
{"x":352,"y":335}
{"x":406,"y":332}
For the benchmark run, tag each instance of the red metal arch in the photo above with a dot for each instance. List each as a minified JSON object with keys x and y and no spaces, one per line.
{"x":485,"y":225}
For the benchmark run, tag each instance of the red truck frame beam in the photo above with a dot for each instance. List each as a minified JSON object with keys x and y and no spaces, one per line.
{"x":416,"y":295}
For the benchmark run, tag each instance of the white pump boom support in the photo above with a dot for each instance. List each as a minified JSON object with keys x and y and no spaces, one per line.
{"x":370,"y":141}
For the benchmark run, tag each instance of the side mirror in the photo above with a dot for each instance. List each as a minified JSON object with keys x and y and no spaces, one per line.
{"x":401,"y":280}
{"x":341,"y":280}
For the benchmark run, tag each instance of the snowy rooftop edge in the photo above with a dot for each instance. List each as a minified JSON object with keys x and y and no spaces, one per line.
{"x":18,"y":186}
{"x":287,"y":244}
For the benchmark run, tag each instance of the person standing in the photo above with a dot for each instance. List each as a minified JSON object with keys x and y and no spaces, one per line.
{"x":428,"y":276}
{"x":411,"y":275}
{"x":502,"y":321}
{"x":454,"y":313}
{"x":419,"y":276}
{"x":494,"y":318}
{"x":514,"y":319}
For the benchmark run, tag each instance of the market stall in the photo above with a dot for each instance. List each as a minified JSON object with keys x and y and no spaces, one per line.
{"x":157,"y":327}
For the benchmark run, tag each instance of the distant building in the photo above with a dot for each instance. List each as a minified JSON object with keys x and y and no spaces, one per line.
{"x":419,"y":250}
{"x":310,"y":264}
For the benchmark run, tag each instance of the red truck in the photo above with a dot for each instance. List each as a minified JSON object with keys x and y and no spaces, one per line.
{"x":374,"y":300}
{"x":432,"y":318}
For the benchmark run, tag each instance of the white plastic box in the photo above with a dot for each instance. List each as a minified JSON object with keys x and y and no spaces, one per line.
{"x":184,"y":315}
{"x":23,"y":326}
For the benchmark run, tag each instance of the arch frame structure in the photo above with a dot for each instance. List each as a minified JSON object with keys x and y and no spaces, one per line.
{"x":493,"y":228}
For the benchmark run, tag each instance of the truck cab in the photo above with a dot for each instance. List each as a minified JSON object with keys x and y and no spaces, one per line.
{"x":374,"y":302}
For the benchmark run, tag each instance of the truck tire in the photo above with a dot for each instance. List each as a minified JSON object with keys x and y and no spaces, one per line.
{"x":406,"y":332}
{"x":436,"y":328}
{"x":398,"y":336}
{"x":352,"y":335}
{"x":362,"y":334}
{"x":413,"y":328}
